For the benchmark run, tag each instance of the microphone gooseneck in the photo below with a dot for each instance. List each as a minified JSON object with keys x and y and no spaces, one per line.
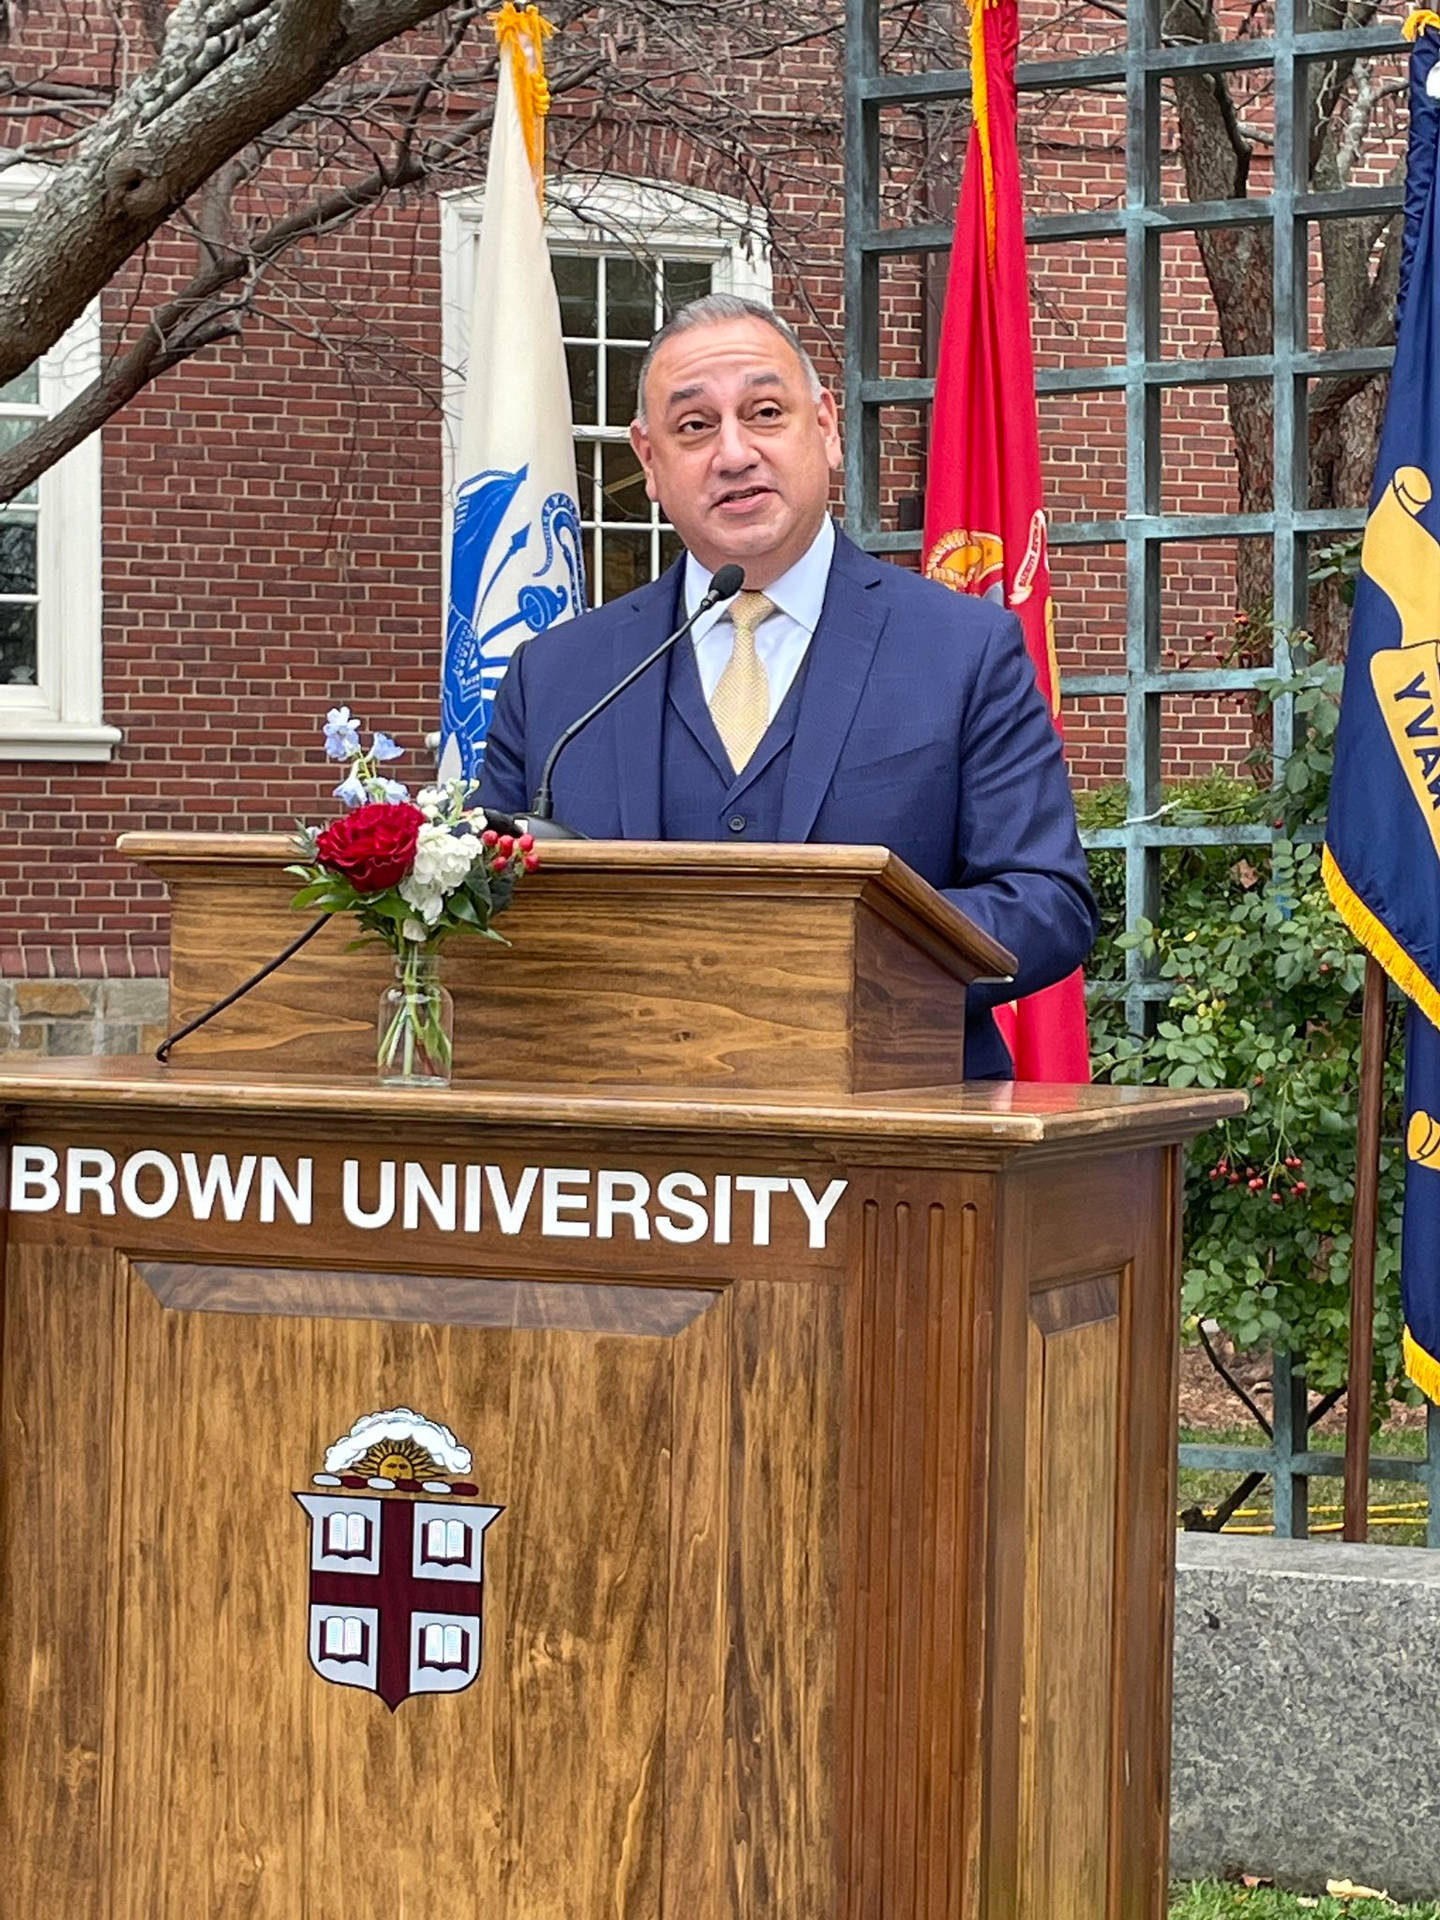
{"x":725,"y":584}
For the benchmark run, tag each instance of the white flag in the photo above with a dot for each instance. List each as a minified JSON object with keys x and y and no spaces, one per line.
{"x":515,"y":557}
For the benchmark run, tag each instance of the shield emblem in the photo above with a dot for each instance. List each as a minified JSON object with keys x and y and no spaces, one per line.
{"x":396,"y":1571}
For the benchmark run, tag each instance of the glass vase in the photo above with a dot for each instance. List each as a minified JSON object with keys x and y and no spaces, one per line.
{"x":415,"y":1028}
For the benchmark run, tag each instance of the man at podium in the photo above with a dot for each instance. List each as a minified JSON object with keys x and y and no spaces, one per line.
{"x":835,"y":698}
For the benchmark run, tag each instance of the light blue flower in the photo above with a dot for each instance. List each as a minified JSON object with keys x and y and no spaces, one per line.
{"x":392,"y":790}
{"x":350,"y":792}
{"x":384,"y":748}
{"x":341,"y":738}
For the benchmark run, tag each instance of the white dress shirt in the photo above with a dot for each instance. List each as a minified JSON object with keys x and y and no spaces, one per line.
{"x":780,"y":640}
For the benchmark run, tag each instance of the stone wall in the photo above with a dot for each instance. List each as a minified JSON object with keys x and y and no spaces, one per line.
{"x":1307,"y":1681}
{"x":69,"y":1017}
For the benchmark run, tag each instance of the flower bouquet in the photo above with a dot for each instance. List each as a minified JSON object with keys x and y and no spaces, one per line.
{"x":413,"y":872}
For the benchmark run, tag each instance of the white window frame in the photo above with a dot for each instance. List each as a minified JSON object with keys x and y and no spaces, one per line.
{"x":597,"y":213}
{"x":61,"y":716}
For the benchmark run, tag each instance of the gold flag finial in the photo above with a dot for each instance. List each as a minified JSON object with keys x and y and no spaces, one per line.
{"x":1419,"y":19}
{"x":522,"y":33}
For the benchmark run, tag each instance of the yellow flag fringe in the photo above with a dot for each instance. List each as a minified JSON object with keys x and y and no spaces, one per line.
{"x":521,"y":33}
{"x":1378,"y":941}
{"x":980,"y":110}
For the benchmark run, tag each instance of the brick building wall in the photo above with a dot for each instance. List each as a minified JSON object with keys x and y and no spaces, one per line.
{"x":272,"y":518}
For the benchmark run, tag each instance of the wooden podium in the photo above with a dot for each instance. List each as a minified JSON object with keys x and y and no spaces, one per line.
{"x":773,"y":1517}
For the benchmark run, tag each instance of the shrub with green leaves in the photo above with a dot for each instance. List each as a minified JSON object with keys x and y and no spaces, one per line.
{"x":1266,"y":991}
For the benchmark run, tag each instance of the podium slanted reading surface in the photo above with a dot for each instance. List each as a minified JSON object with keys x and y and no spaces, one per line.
{"x":692,"y":1469}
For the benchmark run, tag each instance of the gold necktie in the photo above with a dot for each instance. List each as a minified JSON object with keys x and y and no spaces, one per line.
{"x":740,"y":704}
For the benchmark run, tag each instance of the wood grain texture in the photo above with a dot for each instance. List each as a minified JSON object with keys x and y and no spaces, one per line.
{"x":784,"y":1580}
{"x":910,"y":1642}
{"x":704,"y":966}
{"x":449,"y":1299}
{"x":961,"y":1123}
{"x":1070,"y":1527}
{"x":56,"y":1404}
{"x":907,"y":1018}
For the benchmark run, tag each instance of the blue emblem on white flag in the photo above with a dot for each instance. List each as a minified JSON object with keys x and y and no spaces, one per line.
{"x":515,"y":568}
{"x":515,"y":558}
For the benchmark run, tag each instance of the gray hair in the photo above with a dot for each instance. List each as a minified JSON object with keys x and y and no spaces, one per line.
{"x":710,"y":311}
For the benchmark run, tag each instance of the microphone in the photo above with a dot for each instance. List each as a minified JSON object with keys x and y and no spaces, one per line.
{"x":726,"y":583}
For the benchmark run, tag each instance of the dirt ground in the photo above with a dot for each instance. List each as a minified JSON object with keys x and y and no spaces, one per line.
{"x":1207,"y":1404}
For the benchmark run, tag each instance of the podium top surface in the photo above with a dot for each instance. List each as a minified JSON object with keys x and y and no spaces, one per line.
{"x":994,"y":1113}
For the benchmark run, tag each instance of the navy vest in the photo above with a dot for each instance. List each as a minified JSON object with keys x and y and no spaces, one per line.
{"x":701,"y":795}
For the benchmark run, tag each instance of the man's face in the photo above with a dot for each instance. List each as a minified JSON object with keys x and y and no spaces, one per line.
{"x":736,"y":448}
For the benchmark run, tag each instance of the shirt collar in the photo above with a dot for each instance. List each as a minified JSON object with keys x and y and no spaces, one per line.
{"x":799,"y":592}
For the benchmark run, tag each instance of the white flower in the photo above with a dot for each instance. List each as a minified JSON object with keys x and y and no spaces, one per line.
{"x":416,"y":931}
{"x":441,"y":862}
{"x":442,"y":859}
{"x":427,"y":901}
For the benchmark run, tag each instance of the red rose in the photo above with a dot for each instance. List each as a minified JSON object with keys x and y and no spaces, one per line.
{"x":373,"y":847}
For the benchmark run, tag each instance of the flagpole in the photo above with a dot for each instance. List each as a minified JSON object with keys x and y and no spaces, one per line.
{"x":1362,"y":1258}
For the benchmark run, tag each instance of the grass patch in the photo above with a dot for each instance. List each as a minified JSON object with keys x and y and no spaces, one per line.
{"x":1222,"y":1900}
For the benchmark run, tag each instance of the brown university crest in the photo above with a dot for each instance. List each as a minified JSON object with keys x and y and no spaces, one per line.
{"x":396,"y":1559}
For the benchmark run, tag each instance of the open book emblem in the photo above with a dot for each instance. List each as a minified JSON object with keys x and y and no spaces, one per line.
{"x":396,"y":1559}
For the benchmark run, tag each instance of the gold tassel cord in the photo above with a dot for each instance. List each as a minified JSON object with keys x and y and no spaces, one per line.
{"x":980,"y":109}
{"x":1418,"y":21}
{"x":521,"y":33}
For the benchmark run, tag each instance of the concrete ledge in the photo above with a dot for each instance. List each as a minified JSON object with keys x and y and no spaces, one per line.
{"x":1307,"y":1713}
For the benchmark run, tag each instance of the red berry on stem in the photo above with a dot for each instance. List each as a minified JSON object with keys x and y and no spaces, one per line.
{"x":1299,"y":1187}
{"x":499,"y":863}
{"x":526,"y":842}
{"x":507,"y":843}
{"x":489,"y":838}
{"x":532,"y":861}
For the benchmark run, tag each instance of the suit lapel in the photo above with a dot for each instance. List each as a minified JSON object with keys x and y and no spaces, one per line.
{"x":841,"y":652}
{"x":637,"y":719}
{"x":687,"y":697}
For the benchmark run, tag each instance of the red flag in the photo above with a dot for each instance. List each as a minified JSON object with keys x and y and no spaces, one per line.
{"x":984,"y":524}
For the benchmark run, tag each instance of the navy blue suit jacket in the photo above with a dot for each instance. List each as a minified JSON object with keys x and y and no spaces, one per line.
{"x":921,"y":729}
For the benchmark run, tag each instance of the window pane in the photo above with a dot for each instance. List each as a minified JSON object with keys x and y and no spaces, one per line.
{"x":575,"y":284}
{"x":584,"y":387}
{"x":686,"y":280}
{"x":589,"y":497}
{"x":670,"y":548}
{"x":23,"y":390}
{"x":622,"y":384}
{"x":17,"y":647}
{"x":17,"y":554}
{"x":629,"y":298}
{"x":13,"y":430}
{"x":626,"y":563}
{"x":624,"y":484}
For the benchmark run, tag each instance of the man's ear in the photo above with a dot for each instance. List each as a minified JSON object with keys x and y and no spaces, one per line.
{"x":640,"y":443}
{"x":828,"y":415}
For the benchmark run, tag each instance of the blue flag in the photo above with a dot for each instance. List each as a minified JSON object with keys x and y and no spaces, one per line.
{"x":1382,"y":853}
